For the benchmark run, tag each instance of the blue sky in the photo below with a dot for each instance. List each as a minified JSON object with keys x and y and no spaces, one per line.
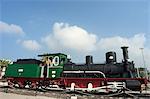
{"x":105,"y":19}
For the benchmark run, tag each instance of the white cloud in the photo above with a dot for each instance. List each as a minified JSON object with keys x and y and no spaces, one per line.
{"x":70,"y":37}
{"x":77,"y":40}
{"x":134,"y":43}
{"x":10,"y":28}
{"x":31,"y":45}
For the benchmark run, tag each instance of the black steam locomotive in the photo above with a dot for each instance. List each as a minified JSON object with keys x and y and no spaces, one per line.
{"x":111,"y":68}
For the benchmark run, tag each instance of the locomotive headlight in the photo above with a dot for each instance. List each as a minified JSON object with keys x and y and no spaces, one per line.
{"x":111,"y":57}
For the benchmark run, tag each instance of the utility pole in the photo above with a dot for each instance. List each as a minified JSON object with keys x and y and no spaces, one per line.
{"x":145,"y":68}
{"x":138,"y":73}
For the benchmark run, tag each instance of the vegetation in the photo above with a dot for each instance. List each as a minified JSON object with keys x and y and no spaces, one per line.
{"x":142,"y":72}
{"x":4,"y":63}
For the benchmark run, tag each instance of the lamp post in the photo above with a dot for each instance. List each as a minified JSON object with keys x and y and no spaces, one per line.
{"x":145,"y":69}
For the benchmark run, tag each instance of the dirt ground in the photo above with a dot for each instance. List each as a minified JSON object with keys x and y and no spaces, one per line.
{"x":17,"y":96}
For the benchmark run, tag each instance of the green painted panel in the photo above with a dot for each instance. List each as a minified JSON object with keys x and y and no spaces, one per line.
{"x":55,"y":72}
{"x":23,"y":70}
{"x":63,"y":60}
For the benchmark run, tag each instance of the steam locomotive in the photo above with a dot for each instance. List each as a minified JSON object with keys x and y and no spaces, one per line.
{"x":111,"y":68}
{"x":58,"y":70}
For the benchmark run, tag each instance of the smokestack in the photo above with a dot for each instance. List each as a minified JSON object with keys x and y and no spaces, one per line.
{"x":89,"y":60}
{"x":125,"y":53}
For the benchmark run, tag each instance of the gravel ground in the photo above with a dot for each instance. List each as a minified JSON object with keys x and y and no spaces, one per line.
{"x":9,"y":93}
{"x":32,"y":94}
{"x":18,"y":96}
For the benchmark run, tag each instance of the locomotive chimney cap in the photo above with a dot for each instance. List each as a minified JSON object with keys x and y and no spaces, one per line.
{"x":124,"y":47}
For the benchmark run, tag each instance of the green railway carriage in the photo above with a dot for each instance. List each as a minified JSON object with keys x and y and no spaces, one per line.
{"x":36,"y":73}
{"x":50,"y":66}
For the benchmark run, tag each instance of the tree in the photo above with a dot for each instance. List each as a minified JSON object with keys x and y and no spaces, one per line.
{"x":4,"y":63}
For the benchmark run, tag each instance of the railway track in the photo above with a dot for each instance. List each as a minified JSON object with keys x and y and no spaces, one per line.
{"x":67,"y":95}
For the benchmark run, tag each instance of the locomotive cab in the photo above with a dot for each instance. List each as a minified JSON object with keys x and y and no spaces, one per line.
{"x":52,"y":66}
